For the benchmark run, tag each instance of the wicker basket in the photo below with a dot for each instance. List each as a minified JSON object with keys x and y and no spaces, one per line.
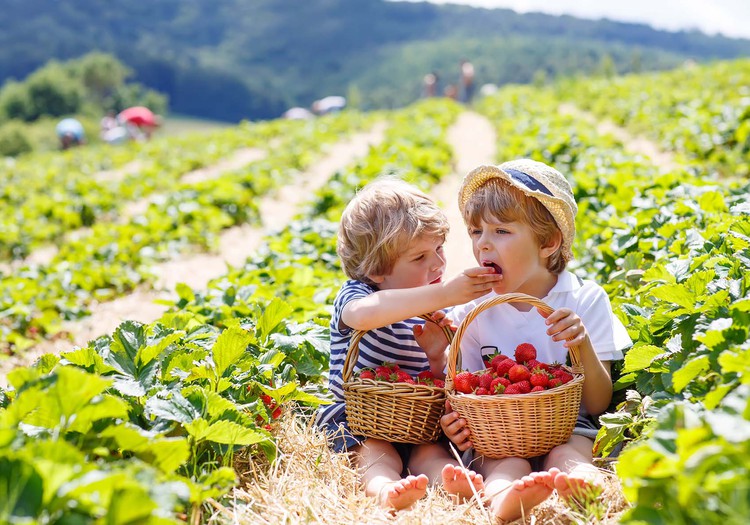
{"x":522,"y":425}
{"x":394,"y":412}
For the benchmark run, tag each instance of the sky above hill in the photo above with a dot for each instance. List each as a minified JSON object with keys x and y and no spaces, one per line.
{"x":729,"y":17}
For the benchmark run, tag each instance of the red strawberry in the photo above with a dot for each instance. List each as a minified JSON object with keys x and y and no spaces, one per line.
{"x":403,"y":377}
{"x":276,"y":413}
{"x":503,"y":366}
{"x":481,"y":391}
{"x":518,"y":373}
{"x":485,"y":380}
{"x":553,"y":383}
{"x":539,"y":378}
{"x":438,"y":383}
{"x":497,"y":359}
{"x":367,"y":374}
{"x":497,"y":386}
{"x":525,"y":352}
{"x":464,"y":382}
{"x":525,"y":386}
{"x":537,"y":364}
{"x":426,"y":374}
{"x":383,"y":371}
{"x":513,"y":389}
{"x":504,"y":381}
{"x":538,"y":388}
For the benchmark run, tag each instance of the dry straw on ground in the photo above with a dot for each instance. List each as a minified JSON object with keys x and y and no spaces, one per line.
{"x":310,"y":484}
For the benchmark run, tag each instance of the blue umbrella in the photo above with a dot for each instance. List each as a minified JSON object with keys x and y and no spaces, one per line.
{"x":70,"y":126}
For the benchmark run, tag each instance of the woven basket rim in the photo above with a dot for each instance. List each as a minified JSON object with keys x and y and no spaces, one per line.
{"x":352,"y":352}
{"x":455,"y":348}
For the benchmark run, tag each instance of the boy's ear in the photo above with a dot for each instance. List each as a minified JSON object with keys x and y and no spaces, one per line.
{"x":377,"y":279}
{"x":554,"y":244}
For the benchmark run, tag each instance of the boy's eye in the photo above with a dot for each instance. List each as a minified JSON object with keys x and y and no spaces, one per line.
{"x":475,"y":231}
{"x":501,"y":230}
{"x":418,"y":257}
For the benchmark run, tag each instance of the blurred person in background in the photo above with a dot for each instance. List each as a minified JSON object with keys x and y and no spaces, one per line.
{"x":140,"y":122}
{"x":70,"y":133}
{"x":467,"y":81}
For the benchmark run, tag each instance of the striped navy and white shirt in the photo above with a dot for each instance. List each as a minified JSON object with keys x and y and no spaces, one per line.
{"x":394,"y":343}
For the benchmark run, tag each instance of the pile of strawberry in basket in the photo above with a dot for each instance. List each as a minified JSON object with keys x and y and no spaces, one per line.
{"x":392,"y":373}
{"x":506,"y":376}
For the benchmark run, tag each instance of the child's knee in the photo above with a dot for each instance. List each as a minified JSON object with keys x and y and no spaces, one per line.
{"x":558,"y":455}
{"x":578,"y":451}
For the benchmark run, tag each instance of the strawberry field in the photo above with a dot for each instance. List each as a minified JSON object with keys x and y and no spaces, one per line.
{"x":195,"y":417}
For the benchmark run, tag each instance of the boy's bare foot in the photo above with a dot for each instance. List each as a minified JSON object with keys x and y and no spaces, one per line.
{"x":402,"y":494}
{"x":524,"y":494}
{"x":579,"y":486}
{"x":458,"y":481}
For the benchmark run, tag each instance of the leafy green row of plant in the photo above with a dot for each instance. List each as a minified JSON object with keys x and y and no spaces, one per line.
{"x":111,"y":258}
{"x":672,"y":249}
{"x":143,"y":426}
{"x":45,"y":196}
{"x":700,"y":112}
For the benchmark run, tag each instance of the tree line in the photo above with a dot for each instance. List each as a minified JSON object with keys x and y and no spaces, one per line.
{"x":252,"y":59}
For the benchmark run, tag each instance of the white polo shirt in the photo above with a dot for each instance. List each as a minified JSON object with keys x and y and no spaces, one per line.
{"x":503,"y":327}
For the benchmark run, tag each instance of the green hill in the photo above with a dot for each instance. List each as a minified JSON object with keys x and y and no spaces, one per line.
{"x":234,"y":59}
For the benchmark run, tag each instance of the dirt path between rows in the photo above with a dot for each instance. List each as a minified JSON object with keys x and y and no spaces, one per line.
{"x":236,"y":245}
{"x":633,"y":143}
{"x":473,"y":140}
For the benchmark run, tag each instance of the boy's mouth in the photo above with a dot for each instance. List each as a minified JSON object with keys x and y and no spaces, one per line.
{"x":490,"y":264}
{"x":437,"y":280}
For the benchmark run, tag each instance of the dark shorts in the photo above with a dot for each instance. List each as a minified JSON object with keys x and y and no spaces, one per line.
{"x":341,"y":439}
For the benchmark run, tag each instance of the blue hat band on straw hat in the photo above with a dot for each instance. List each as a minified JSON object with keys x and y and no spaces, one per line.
{"x":528,"y":181}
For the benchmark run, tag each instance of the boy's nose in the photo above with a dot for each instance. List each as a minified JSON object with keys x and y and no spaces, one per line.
{"x":483,"y":243}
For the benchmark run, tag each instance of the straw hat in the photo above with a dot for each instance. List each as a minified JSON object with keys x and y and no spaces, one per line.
{"x":537,"y":180}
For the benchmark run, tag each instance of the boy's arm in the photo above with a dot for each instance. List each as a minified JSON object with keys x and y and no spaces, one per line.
{"x":386,"y":307}
{"x":597,"y":385}
{"x":565,"y":325}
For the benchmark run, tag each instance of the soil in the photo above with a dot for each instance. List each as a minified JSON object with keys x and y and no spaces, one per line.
{"x":473,"y":140}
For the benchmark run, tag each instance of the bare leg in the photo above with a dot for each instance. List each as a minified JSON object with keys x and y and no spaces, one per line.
{"x":579,"y":480}
{"x":512,"y":489}
{"x":437,"y":463}
{"x":380,"y":467}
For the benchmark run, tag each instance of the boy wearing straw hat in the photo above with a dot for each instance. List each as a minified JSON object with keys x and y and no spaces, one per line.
{"x":521,"y":219}
{"x":390,"y":243}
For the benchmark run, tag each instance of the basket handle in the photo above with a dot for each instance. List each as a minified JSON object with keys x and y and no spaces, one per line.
{"x":455,"y":350}
{"x":353,"y":351}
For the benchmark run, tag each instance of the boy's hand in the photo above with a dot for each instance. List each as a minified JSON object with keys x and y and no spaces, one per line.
{"x":431,"y":338}
{"x":565,"y":325}
{"x":471,"y":284}
{"x":455,"y":429}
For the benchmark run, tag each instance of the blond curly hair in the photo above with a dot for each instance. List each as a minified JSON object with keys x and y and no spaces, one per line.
{"x":380,"y":222}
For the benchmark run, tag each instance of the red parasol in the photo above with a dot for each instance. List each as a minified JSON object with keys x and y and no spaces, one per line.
{"x":137,"y":115}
